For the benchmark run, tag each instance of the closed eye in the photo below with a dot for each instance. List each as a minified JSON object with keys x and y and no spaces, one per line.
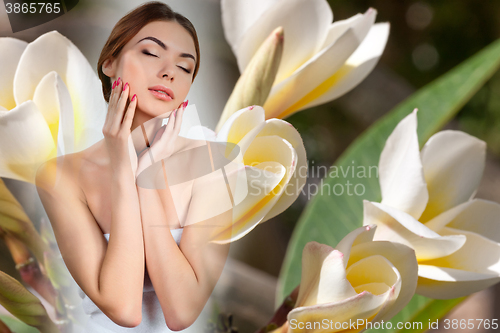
{"x":149,"y":54}
{"x":153,"y":55}
{"x":185,"y":69}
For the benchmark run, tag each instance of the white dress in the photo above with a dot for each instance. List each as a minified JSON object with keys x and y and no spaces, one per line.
{"x":152,"y":315}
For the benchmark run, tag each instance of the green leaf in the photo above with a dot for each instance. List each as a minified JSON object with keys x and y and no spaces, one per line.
{"x":25,"y":306}
{"x":331,"y":215}
{"x":17,"y":325}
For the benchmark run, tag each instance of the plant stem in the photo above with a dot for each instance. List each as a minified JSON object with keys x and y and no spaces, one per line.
{"x":278,"y":323}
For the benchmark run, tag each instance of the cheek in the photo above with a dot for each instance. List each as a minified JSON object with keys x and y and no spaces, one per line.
{"x":131,"y":70}
{"x":185,"y":85}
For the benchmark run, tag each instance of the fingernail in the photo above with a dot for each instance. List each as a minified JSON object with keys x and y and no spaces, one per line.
{"x":125,"y":86}
{"x":186,"y":103}
{"x":133,"y":97}
{"x":175,"y":112}
{"x":118,"y":81}
{"x":114,"y":84}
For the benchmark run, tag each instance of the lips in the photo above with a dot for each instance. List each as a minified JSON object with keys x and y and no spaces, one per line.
{"x":162,"y":92}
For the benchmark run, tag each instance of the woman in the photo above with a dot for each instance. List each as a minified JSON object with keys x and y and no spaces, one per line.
{"x":146,"y":276}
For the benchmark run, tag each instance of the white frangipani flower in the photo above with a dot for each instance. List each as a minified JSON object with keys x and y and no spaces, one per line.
{"x":51,"y":103}
{"x":321,"y":60}
{"x":274,"y":159}
{"x":359,"y":281}
{"x":427,"y":204}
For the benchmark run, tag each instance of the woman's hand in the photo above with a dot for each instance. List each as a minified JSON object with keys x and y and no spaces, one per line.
{"x":116,"y":128}
{"x":164,"y":141}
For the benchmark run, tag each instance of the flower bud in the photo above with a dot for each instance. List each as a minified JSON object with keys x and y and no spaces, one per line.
{"x":254,"y":85}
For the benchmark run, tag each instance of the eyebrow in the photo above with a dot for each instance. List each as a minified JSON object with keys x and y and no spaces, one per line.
{"x":163,"y":46}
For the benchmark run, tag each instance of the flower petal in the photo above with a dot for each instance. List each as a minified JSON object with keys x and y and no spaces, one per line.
{"x":403,"y":259}
{"x":273,"y":148}
{"x":355,"y":70}
{"x":478,"y":216}
{"x":448,"y":283}
{"x":453,"y":163}
{"x":400,"y":169}
{"x":298,"y":179}
{"x":357,"y":236}
{"x":11,"y":50}
{"x":248,"y":139}
{"x":54,"y":52}
{"x":313,"y":256}
{"x":478,"y":254}
{"x":288,"y":91}
{"x":323,"y":277}
{"x":240,"y":123}
{"x":396,"y":226}
{"x":364,"y":306}
{"x":373,"y":272}
{"x":26,"y":142}
{"x":333,"y":285}
{"x":239,"y":15}
{"x":338,"y":28}
{"x":54,"y":102}
{"x":262,"y":179}
{"x":305,"y":23}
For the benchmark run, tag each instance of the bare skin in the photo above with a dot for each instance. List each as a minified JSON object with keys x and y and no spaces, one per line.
{"x":94,"y":191}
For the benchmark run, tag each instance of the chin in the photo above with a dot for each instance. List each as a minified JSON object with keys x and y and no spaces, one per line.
{"x":158,"y":108}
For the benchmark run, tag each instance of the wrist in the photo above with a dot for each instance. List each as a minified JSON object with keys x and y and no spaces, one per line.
{"x":123,"y":172}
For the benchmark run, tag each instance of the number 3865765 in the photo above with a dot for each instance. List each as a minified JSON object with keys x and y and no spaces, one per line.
{"x":33,"y":8}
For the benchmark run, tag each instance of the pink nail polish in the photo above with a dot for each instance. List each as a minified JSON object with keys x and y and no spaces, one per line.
{"x":118,"y":81}
{"x":114,"y":84}
{"x":125,"y":86}
{"x":133,"y":97}
{"x":185,"y":104}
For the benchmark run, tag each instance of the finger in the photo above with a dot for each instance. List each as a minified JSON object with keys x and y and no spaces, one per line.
{"x":178,"y":118}
{"x":113,"y":98}
{"x":115,"y":92}
{"x":129,"y":115}
{"x":120,"y":107}
{"x":171,"y":121}
{"x":112,"y":101}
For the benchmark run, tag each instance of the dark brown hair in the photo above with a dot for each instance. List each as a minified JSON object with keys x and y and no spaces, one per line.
{"x":130,"y":25}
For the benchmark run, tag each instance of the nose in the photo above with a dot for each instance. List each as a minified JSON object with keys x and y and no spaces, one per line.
{"x":168,"y":73}
{"x":168,"y":76}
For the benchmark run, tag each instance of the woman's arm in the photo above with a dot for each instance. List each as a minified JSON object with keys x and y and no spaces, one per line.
{"x":184,"y":277}
{"x":112,"y":274}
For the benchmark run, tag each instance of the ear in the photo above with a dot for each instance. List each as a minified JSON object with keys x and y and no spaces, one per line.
{"x":108,"y":67}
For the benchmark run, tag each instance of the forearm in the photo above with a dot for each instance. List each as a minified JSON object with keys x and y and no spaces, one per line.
{"x":182,"y":294}
{"x":121,"y":278}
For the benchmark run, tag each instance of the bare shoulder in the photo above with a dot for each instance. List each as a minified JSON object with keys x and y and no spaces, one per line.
{"x":66,"y":172}
{"x":59,"y":172}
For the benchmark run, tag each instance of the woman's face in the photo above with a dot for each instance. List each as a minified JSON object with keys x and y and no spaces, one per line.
{"x":158,"y":64}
